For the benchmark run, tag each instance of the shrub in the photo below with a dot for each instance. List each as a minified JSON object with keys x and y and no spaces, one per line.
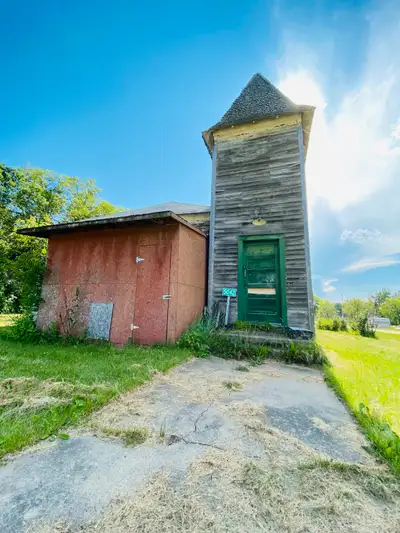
{"x":259,"y":326}
{"x":195,"y":340}
{"x":363,"y":326}
{"x":335,"y":324}
{"x":24,"y":329}
{"x":306,"y":353}
{"x":324,"y":323}
{"x":272,"y":329}
{"x":206,"y":340}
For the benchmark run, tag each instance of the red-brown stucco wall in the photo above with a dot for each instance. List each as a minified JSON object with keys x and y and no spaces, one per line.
{"x":101,"y":266}
{"x":191,"y":277}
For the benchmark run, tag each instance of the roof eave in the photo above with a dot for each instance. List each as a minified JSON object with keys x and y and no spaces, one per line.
{"x":307,"y":119}
{"x":105,"y":223}
{"x":306,"y":112}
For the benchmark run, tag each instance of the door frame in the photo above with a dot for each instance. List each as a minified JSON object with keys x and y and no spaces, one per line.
{"x":279,"y":238}
{"x":135,"y":309}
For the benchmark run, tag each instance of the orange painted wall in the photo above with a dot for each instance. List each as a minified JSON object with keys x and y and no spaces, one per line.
{"x":191,"y":284}
{"x":102,"y":266}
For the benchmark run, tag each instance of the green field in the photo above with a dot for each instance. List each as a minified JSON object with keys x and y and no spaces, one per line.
{"x":44,"y":388}
{"x":366,"y":373}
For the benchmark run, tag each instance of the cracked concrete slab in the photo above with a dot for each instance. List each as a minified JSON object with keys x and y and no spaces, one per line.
{"x":187,"y":411}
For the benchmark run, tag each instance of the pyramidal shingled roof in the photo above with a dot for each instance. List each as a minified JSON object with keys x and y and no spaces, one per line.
{"x":258,"y":100}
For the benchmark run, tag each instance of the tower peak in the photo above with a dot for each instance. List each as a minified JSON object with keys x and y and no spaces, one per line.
{"x":258,"y":100}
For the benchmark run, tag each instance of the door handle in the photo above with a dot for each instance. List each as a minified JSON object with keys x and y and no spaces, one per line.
{"x":244,"y":271}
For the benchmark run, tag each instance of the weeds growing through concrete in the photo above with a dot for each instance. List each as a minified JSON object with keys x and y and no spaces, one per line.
{"x":130,"y":437}
{"x":242,"y":368}
{"x":234,"y":386}
{"x":206,"y":338}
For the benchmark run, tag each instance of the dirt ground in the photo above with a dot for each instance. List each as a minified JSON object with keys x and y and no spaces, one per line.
{"x":213,"y":446}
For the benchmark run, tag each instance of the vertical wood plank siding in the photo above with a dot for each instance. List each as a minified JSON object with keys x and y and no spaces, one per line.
{"x":261,"y":177}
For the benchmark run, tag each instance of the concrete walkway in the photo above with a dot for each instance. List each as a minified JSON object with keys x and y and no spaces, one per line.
{"x":202,"y":405}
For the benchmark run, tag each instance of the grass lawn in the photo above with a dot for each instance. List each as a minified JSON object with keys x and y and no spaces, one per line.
{"x":366,"y":373}
{"x":45,"y":388}
{"x":6,"y":320}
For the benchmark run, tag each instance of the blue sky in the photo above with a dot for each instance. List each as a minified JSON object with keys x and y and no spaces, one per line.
{"x":120,"y":92}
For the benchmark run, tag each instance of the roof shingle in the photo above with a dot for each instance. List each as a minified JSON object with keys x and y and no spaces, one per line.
{"x":259,"y":99}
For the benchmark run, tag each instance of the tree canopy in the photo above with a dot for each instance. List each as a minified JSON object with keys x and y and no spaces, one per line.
{"x":32,"y":197}
{"x":356,"y":308}
{"x":379,"y":298}
{"x":325,"y":308}
{"x":391,"y":310}
{"x":381,"y":303}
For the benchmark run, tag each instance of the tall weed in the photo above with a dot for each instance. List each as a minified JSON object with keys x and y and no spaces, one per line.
{"x":205,"y":338}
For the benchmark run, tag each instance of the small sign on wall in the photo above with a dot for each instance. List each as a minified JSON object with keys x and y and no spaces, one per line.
{"x":229,"y":292}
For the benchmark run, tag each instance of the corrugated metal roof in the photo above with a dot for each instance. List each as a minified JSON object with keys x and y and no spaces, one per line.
{"x":119,"y":220}
{"x":176,"y":207}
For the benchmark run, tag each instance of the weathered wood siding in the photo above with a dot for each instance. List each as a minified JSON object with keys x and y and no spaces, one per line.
{"x":200,"y":221}
{"x":261,"y":176}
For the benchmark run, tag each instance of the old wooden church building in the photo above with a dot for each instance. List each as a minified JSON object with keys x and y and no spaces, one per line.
{"x":146,"y":274}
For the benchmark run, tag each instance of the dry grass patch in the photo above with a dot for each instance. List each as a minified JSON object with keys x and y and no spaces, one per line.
{"x":224,"y":492}
{"x":290,"y":488}
{"x":130,"y":437}
{"x":198,"y":386}
{"x":250,"y":414}
{"x":47,"y":387}
{"x":233,"y":386}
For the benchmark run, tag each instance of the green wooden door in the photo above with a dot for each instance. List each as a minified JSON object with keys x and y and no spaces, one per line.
{"x":260,"y":294}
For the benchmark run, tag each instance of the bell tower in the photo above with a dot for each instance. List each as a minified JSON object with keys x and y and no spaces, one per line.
{"x":259,"y":241}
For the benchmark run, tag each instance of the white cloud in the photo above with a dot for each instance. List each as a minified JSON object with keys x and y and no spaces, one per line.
{"x":357,"y":151}
{"x":327,"y":285}
{"x":353,"y":161}
{"x":369,"y":263}
{"x":360,"y":235}
{"x":396,"y":131}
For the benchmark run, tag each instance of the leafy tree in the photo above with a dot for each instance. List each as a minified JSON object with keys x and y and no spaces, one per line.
{"x":379,"y":298}
{"x":391,"y":310}
{"x":32,"y":197}
{"x":358,"y":313}
{"x":317,"y":301}
{"x":326,"y":309}
{"x":356,"y":307}
{"x":339,"y":308}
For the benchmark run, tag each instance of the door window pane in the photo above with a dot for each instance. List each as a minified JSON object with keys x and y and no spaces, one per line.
{"x":262,"y":290}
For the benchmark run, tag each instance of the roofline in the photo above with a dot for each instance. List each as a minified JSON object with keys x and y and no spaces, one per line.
{"x":304,"y":110}
{"x":105,"y":223}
